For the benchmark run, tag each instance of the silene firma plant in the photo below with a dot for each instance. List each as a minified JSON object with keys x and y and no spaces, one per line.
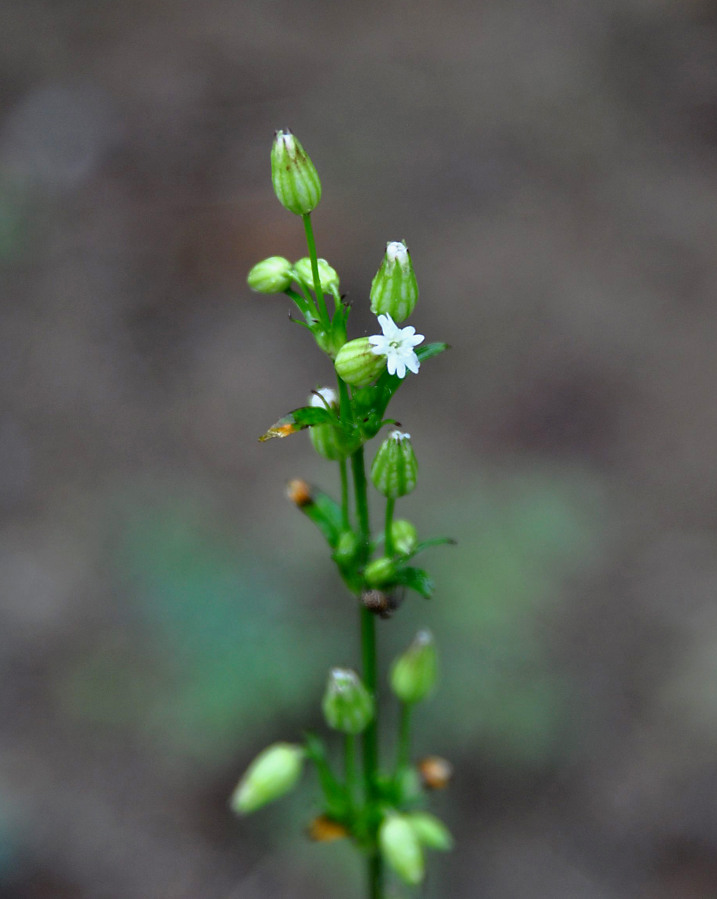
{"x":377,"y":802}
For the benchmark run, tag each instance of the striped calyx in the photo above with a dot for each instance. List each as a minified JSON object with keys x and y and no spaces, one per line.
{"x":357,"y":364}
{"x":296,"y":182}
{"x":413,"y":674}
{"x":394,"y":470}
{"x":394,"y":290}
{"x":272,"y":275}
{"x":347,"y":704}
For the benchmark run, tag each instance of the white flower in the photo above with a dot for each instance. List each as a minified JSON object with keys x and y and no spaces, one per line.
{"x":397,"y":344}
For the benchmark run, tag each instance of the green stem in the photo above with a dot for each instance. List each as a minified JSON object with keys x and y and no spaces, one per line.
{"x":403,"y":757}
{"x":390,"y":503}
{"x":345,"y":523}
{"x":370,"y":675}
{"x":350,"y":767}
{"x":375,"y":876}
{"x":311,"y":244}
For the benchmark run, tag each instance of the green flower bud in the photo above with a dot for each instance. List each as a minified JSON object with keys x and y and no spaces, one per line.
{"x":323,"y":437}
{"x":404,"y":536}
{"x":357,"y":364}
{"x":347,"y":548}
{"x":394,"y":290}
{"x":347,"y":704}
{"x":272,"y":275}
{"x":273,"y":773}
{"x":380,"y":572}
{"x":395,"y":469}
{"x":431,"y":832}
{"x":328,"y":277}
{"x":296,"y":182}
{"x":401,"y":848}
{"x":413,"y":674}
{"x":329,"y":441}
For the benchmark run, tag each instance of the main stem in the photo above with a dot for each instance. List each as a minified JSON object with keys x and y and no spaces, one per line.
{"x":368,"y":659}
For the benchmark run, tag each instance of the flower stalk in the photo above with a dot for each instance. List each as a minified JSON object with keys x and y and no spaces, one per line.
{"x":373,"y":805}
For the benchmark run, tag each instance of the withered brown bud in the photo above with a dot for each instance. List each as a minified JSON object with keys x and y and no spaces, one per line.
{"x":324,"y":830}
{"x":299,"y":492}
{"x":436,"y":772}
{"x":378,"y":602}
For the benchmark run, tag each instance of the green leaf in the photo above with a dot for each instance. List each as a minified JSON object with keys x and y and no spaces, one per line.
{"x":431,"y":349}
{"x":325,"y":512}
{"x":416,"y":579}
{"x":426,"y":544}
{"x":334,"y":791}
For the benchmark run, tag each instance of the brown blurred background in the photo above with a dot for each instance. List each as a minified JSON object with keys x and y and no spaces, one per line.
{"x":165,"y":613}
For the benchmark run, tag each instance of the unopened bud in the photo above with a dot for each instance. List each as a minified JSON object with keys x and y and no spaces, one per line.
{"x":347,"y":548}
{"x":380,"y":572}
{"x":357,"y":364}
{"x":431,"y":832}
{"x":401,"y":848}
{"x":323,"y":436}
{"x":272,"y":275}
{"x":404,"y":536}
{"x":394,"y":290}
{"x":414,"y":673}
{"x":394,"y":470}
{"x":328,"y":277}
{"x":273,"y":773}
{"x":347,"y":704}
{"x":296,"y":182}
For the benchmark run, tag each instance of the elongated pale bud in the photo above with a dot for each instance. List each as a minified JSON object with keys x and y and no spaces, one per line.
{"x":414,"y":673}
{"x":431,"y":832}
{"x":273,"y":773}
{"x":347,"y":704}
{"x":272,"y":275}
{"x":394,"y":470}
{"x":357,"y":364}
{"x":328,"y":276}
{"x":296,"y":182}
{"x":401,"y":848}
{"x":394,"y":290}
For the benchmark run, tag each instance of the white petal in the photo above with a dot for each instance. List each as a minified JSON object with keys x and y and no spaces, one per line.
{"x":413,"y":363}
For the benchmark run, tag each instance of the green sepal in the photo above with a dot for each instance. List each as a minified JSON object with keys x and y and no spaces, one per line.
{"x":415,"y":579}
{"x":297,"y":420}
{"x":336,"y":799}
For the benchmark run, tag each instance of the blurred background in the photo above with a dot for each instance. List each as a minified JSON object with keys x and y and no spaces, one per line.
{"x":165,"y":613}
